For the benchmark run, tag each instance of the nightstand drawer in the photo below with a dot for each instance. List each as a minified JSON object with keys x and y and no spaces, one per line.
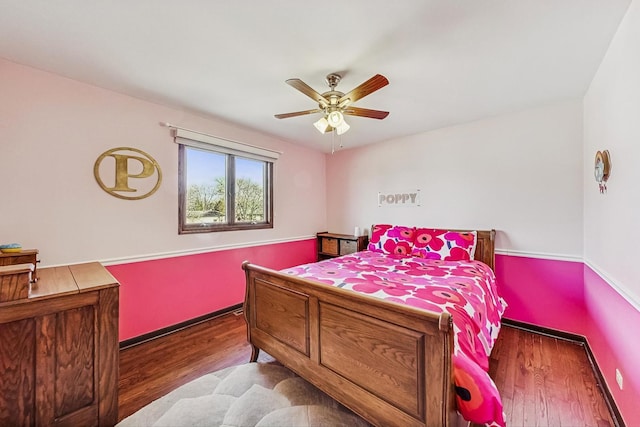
{"x":329,"y":246}
{"x":348,"y":246}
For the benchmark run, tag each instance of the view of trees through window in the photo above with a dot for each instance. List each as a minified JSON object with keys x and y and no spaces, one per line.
{"x":207,"y":202}
{"x":208,"y":195}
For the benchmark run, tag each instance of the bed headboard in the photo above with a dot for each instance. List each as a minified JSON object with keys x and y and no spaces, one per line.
{"x":485,"y":247}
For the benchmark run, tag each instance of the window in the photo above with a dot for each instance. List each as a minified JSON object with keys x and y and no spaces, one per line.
{"x":222,"y":189}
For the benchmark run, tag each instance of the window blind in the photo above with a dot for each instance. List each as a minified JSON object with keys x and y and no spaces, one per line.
{"x":208,"y":142}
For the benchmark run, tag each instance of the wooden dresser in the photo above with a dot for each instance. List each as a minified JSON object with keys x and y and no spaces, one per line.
{"x":59,"y":347}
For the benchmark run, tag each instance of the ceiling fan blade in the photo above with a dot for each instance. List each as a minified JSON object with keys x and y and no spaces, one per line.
{"x":297,"y":113}
{"x":374,"y":83}
{"x":307,"y":90}
{"x":365,"y":112}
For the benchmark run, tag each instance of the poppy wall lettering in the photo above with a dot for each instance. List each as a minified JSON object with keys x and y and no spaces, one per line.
{"x":407,"y":198}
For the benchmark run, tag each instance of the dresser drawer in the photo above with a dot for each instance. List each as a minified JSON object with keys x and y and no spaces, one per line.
{"x":348,"y":247}
{"x":14,"y":282}
{"x":18,"y":259}
{"x":26,"y":256}
{"x":329,"y":246}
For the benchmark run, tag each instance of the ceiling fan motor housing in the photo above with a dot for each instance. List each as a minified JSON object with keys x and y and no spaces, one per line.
{"x":333,"y":97}
{"x":333,"y":80}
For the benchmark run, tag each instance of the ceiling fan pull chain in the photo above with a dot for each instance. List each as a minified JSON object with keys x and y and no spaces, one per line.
{"x":333,"y":140}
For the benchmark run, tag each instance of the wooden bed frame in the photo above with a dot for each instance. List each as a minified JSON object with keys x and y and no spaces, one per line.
{"x":391,"y":364}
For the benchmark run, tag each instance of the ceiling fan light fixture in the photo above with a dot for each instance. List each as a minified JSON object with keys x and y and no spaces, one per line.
{"x":335,"y":118}
{"x":322,"y":125}
{"x":342,"y":128}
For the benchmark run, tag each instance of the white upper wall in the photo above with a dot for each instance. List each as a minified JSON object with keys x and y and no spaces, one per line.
{"x":612,"y":122}
{"x":519,"y":173}
{"x":53,"y":130}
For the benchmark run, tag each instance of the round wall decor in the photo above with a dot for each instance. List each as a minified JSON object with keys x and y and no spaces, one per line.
{"x":132,"y":174}
{"x":602,"y":169}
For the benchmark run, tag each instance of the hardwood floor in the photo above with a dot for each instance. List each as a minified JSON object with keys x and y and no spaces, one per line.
{"x":543,"y":381}
{"x":154,"y":368}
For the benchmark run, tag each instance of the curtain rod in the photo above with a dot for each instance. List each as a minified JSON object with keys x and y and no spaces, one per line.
{"x":170,"y":126}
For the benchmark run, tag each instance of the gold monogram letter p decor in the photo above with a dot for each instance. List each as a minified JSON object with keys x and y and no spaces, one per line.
{"x":130,"y":173}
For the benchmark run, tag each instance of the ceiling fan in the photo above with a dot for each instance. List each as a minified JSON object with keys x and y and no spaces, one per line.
{"x":335,"y":105}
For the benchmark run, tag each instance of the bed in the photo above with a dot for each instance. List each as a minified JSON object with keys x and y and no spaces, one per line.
{"x":390,"y":360}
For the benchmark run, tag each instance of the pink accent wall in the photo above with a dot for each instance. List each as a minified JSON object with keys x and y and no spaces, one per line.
{"x":571,"y":297}
{"x":160,"y":293}
{"x":555,"y":286}
{"x":615,"y":340}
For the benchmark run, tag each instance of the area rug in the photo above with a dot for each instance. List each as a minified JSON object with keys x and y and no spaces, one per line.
{"x":253,"y":394}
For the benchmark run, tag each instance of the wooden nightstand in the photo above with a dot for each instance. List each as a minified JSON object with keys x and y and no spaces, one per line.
{"x":331,"y":245}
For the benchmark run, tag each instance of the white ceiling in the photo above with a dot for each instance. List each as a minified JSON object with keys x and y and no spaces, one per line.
{"x":448,"y":61}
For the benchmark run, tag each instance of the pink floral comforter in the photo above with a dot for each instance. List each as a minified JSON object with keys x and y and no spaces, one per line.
{"x":465,"y":289}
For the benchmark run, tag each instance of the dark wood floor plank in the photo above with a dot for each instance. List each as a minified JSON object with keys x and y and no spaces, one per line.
{"x":593,"y":393}
{"x":538,"y":392}
{"x":543,"y":380}
{"x":521,"y":409}
{"x":503,"y":356}
{"x":588,"y":393}
{"x":572,"y":384}
{"x":530,"y":403}
{"x":553,"y":392}
{"x":566,"y":398}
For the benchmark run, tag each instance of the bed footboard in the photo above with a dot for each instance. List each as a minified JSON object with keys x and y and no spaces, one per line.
{"x":389,"y":363}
